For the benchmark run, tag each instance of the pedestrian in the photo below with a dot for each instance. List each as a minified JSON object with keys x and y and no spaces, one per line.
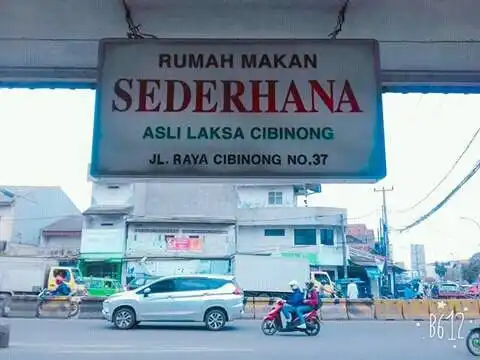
{"x":352,"y":290}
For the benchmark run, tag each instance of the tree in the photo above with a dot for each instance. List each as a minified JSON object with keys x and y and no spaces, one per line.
{"x":471,"y":271}
{"x":440,"y":269}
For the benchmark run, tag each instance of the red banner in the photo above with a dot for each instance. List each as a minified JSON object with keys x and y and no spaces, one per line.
{"x":187,"y":243}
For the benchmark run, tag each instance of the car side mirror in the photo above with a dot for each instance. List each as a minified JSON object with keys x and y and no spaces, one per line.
{"x":146,"y":292}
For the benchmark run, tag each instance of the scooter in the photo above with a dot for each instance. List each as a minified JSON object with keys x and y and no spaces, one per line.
{"x":71,"y":306}
{"x":473,"y":341}
{"x":275,"y":321}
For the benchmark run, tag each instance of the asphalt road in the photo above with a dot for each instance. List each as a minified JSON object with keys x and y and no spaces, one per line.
{"x":43,"y":339}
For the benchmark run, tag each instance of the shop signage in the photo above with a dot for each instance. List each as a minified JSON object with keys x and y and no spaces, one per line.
{"x":192,"y":243}
{"x":239,"y":110}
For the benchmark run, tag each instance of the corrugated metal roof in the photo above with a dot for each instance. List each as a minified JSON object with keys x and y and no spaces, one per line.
{"x":108,"y":209}
{"x":67,"y":224}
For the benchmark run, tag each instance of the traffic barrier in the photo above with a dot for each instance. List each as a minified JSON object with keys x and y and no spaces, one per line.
{"x":416,"y":310}
{"x":388,"y":309}
{"x":333,"y":309}
{"x":468,"y":309}
{"x":361,"y":309}
{"x":261,"y":307}
{"x":23,"y":306}
{"x":440,"y":309}
{"x":4,"y":335}
{"x":4,"y":304}
{"x":91,"y":308}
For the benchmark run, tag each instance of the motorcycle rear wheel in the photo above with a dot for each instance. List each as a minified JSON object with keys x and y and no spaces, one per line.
{"x":313,"y":327}
{"x":473,"y":342}
{"x":74,"y":309}
{"x":269,"y":327}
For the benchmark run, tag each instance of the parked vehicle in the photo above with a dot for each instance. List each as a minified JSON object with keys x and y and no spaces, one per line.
{"x":329,"y":288}
{"x":212,"y":299}
{"x":449,"y":290}
{"x":473,"y":291}
{"x":102,"y":287}
{"x":30,"y":275}
{"x":268,"y":276}
{"x":275,"y":322}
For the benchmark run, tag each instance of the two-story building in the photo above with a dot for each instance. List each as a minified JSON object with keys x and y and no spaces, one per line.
{"x":61,"y":239}
{"x":104,"y":231}
{"x":178,"y":227}
{"x":270,"y":221}
{"x":181,"y":228}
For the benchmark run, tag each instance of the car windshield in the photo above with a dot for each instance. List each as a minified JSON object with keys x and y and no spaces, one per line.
{"x":322,"y":278}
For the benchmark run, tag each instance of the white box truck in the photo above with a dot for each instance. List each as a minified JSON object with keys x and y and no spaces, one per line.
{"x":268,"y":276}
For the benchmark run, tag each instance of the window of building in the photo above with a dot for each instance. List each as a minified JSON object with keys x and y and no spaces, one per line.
{"x":113,"y":187}
{"x":327,"y":237}
{"x":275,"y":198}
{"x":274,"y":232}
{"x":305,"y":237}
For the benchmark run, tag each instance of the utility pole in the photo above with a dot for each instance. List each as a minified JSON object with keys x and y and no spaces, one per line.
{"x":385,"y":229}
{"x":344,"y":247}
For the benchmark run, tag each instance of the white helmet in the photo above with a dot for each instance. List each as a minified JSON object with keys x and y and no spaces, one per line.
{"x":293,"y":284}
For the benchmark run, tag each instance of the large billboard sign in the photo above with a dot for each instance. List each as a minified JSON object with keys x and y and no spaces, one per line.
{"x":241,"y":110}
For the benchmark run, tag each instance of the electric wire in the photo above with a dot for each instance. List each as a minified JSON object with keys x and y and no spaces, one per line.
{"x":442,"y":203}
{"x":442,"y":180}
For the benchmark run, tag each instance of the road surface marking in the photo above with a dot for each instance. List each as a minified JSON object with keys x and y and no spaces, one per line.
{"x":112,"y":349}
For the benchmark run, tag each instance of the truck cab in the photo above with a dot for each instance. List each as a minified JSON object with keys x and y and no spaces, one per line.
{"x":73,"y":277}
{"x":321,"y":278}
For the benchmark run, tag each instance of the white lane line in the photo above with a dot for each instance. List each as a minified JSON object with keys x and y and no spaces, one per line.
{"x":150,"y":351}
{"x":116,"y":349}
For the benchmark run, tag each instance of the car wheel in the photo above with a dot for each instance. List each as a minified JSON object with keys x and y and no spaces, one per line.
{"x":124,"y":318}
{"x":215,"y":319}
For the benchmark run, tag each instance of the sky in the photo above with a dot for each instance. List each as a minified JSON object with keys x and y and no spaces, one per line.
{"x":46,"y":140}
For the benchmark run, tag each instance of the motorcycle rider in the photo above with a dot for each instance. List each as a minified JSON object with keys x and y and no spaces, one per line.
{"x":309,"y":304}
{"x":62,"y":288}
{"x":294,"y":300}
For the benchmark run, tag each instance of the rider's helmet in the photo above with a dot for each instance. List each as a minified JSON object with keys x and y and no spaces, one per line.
{"x":293,"y":284}
{"x":309,"y":284}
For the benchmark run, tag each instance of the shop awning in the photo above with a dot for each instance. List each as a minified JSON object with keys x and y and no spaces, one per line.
{"x":372,"y":272}
{"x":102,"y":257}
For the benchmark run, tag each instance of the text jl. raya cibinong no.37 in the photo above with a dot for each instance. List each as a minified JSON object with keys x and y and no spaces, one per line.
{"x":234,"y":96}
{"x":235,"y":159}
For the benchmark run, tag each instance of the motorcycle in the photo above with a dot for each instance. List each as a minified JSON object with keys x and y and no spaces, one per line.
{"x":70,"y":303}
{"x":275,"y":322}
{"x":473,"y":341}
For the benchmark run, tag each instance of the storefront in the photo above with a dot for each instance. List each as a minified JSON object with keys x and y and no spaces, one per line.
{"x":160,"y":267}
{"x":169,"y":248}
{"x":101,"y":253}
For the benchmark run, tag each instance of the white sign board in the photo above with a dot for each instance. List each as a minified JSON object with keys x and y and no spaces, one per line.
{"x":239,"y":109}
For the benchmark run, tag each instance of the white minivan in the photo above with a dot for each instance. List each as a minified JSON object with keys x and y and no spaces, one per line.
{"x":212,"y":299}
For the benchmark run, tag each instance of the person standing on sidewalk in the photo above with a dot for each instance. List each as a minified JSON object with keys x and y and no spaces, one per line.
{"x":352,"y":290}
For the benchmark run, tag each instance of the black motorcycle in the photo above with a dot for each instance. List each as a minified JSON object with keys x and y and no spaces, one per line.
{"x":473,"y":341}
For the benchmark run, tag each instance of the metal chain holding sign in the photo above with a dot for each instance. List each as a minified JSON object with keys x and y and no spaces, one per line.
{"x":340,"y":21}
{"x":134,"y":31}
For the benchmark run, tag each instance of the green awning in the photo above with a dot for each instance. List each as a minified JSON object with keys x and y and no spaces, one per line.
{"x":105,"y":257}
{"x":372,"y":272}
{"x":311,"y":257}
